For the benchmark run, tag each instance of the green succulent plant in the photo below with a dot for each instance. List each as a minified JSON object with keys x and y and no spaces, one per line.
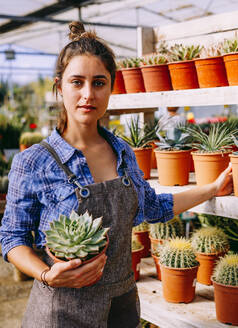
{"x":230,"y":45}
{"x":174,"y":139}
{"x":210,"y":240}
{"x":236,"y":143}
{"x":226,"y":270}
{"x":154,"y":59}
{"x":178,"y":253}
{"x":78,"y":236}
{"x":138,"y":136}
{"x":131,"y":62}
{"x":179,"y":52}
{"x":219,"y":138}
{"x":144,"y":226}
{"x":171,"y":229}
{"x":213,"y":50}
{"x":135,"y":243}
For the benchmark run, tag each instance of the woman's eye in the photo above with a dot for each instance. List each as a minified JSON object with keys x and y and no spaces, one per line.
{"x":76,"y":82}
{"x":99,"y":83}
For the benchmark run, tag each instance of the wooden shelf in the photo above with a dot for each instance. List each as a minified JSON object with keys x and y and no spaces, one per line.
{"x":191,"y":97}
{"x":197,"y":314}
{"x":226,"y":206}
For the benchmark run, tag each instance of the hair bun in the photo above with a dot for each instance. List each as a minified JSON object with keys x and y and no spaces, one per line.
{"x":76,"y":30}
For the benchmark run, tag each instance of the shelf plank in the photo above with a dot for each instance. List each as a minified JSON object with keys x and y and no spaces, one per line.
{"x":191,"y":97}
{"x":226,"y":206}
{"x":197,"y":314}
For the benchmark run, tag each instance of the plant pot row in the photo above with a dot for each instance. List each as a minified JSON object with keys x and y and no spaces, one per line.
{"x":191,"y":74}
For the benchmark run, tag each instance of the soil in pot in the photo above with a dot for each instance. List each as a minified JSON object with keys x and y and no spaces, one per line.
{"x":133,"y":80}
{"x":183,"y":75}
{"x":211,"y":72}
{"x":178,"y":284}
{"x":208,"y":166}
{"x":156,"y":78}
{"x":226,"y":301}
{"x":173,"y":167}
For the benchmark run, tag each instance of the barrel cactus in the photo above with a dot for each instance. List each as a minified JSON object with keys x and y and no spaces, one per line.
{"x":78,"y":236}
{"x":210,"y":240}
{"x":144,"y":226}
{"x":178,"y":253}
{"x":226,"y":270}
{"x":170,"y":229}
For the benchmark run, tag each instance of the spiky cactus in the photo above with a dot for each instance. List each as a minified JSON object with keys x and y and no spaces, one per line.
{"x":78,"y":236}
{"x":226,"y":270}
{"x":170,"y":229}
{"x":144,"y":226}
{"x":210,"y":240}
{"x":178,"y":253}
{"x":135,"y":243}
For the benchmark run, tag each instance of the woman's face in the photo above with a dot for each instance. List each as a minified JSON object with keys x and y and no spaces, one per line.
{"x":85,"y":88}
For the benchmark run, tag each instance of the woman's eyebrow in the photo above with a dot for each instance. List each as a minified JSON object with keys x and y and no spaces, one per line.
{"x":95,"y":76}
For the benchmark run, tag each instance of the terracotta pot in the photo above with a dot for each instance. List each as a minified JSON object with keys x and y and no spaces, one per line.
{"x":133,"y":80}
{"x":234,"y":162}
{"x":183,"y":75}
{"x":23,"y":147}
{"x":119,"y":86}
{"x":226,"y":301}
{"x":207,"y":263}
{"x":208,"y":166}
{"x":211,"y":72}
{"x":136,"y":257}
{"x":154,"y":244}
{"x":231,"y":65}
{"x":157,"y":265}
{"x":156,"y":78}
{"x":144,"y":239}
{"x":143,"y":157}
{"x":178,"y":284}
{"x":58,"y":260}
{"x":153,"y":158}
{"x":173,"y":167}
{"x":191,"y":165}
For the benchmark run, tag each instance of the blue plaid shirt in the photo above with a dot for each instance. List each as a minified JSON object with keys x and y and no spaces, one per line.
{"x":39,"y":191}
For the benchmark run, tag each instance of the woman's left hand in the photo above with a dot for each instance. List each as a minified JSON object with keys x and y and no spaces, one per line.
{"x":224,"y":183}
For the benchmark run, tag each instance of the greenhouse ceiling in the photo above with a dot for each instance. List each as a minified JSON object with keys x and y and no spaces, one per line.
{"x":41,"y":25}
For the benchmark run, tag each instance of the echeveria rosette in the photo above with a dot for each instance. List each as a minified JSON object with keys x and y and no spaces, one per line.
{"x":78,"y":236}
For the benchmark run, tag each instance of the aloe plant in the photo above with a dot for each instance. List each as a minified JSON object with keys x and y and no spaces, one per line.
{"x":138,"y":136}
{"x":178,"y":253}
{"x":226,"y":270}
{"x":179,"y":52}
{"x":236,"y":143}
{"x":175,"y":139}
{"x":77,"y":236}
{"x":210,"y":240}
{"x":219,"y":138}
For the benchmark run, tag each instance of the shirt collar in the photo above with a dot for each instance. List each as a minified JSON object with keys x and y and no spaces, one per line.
{"x":65,"y":151}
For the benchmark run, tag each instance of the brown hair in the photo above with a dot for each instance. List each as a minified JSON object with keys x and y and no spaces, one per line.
{"x":83,"y":42}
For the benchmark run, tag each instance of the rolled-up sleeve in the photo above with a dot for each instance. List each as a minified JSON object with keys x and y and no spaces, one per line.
{"x":22,"y":212}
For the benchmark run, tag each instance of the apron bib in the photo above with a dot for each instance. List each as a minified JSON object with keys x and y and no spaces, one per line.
{"x":113,"y":301}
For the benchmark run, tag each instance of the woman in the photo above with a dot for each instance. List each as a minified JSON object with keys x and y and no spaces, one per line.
{"x":39,"y":190}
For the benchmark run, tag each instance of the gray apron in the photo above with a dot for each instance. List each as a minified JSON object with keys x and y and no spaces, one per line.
{"x":113,"y":301}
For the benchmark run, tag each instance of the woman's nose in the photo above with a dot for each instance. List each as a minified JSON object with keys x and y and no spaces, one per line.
{"x":87,"y":91}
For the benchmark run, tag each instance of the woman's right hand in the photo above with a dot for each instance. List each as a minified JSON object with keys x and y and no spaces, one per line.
{"x":73,"y":274}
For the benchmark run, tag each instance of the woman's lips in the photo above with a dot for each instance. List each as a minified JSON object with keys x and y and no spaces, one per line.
{"x":87,"y":108}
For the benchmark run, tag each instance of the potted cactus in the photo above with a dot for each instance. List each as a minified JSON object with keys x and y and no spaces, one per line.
{"x":142,"y":232}
{"x":230,"y":57}
{"x":119,"y":85}
{"x":209,"y":244}
{"x":225,"y":282}
{"x":155,"y":73}
{"x":173,"y":157}
{"x":139,"y":139}
{"x":159,"y":233}
{"x":234,"y":162}
{"x":210,"y":67}
{"x":136,"y":251}
{"x":76,"y":236}
{"x":213,"y":149}
{"x":179,"y":270}
{"x":27,"y":139}
{"x":182,"y":68}
{"x":132,"y":75}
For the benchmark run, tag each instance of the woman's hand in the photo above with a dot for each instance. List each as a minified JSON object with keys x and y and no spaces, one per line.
{"x":75,"y":275}
{"x":224,"y":183}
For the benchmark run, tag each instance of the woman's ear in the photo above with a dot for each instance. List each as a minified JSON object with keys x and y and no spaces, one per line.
{"x":58,"y":85}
